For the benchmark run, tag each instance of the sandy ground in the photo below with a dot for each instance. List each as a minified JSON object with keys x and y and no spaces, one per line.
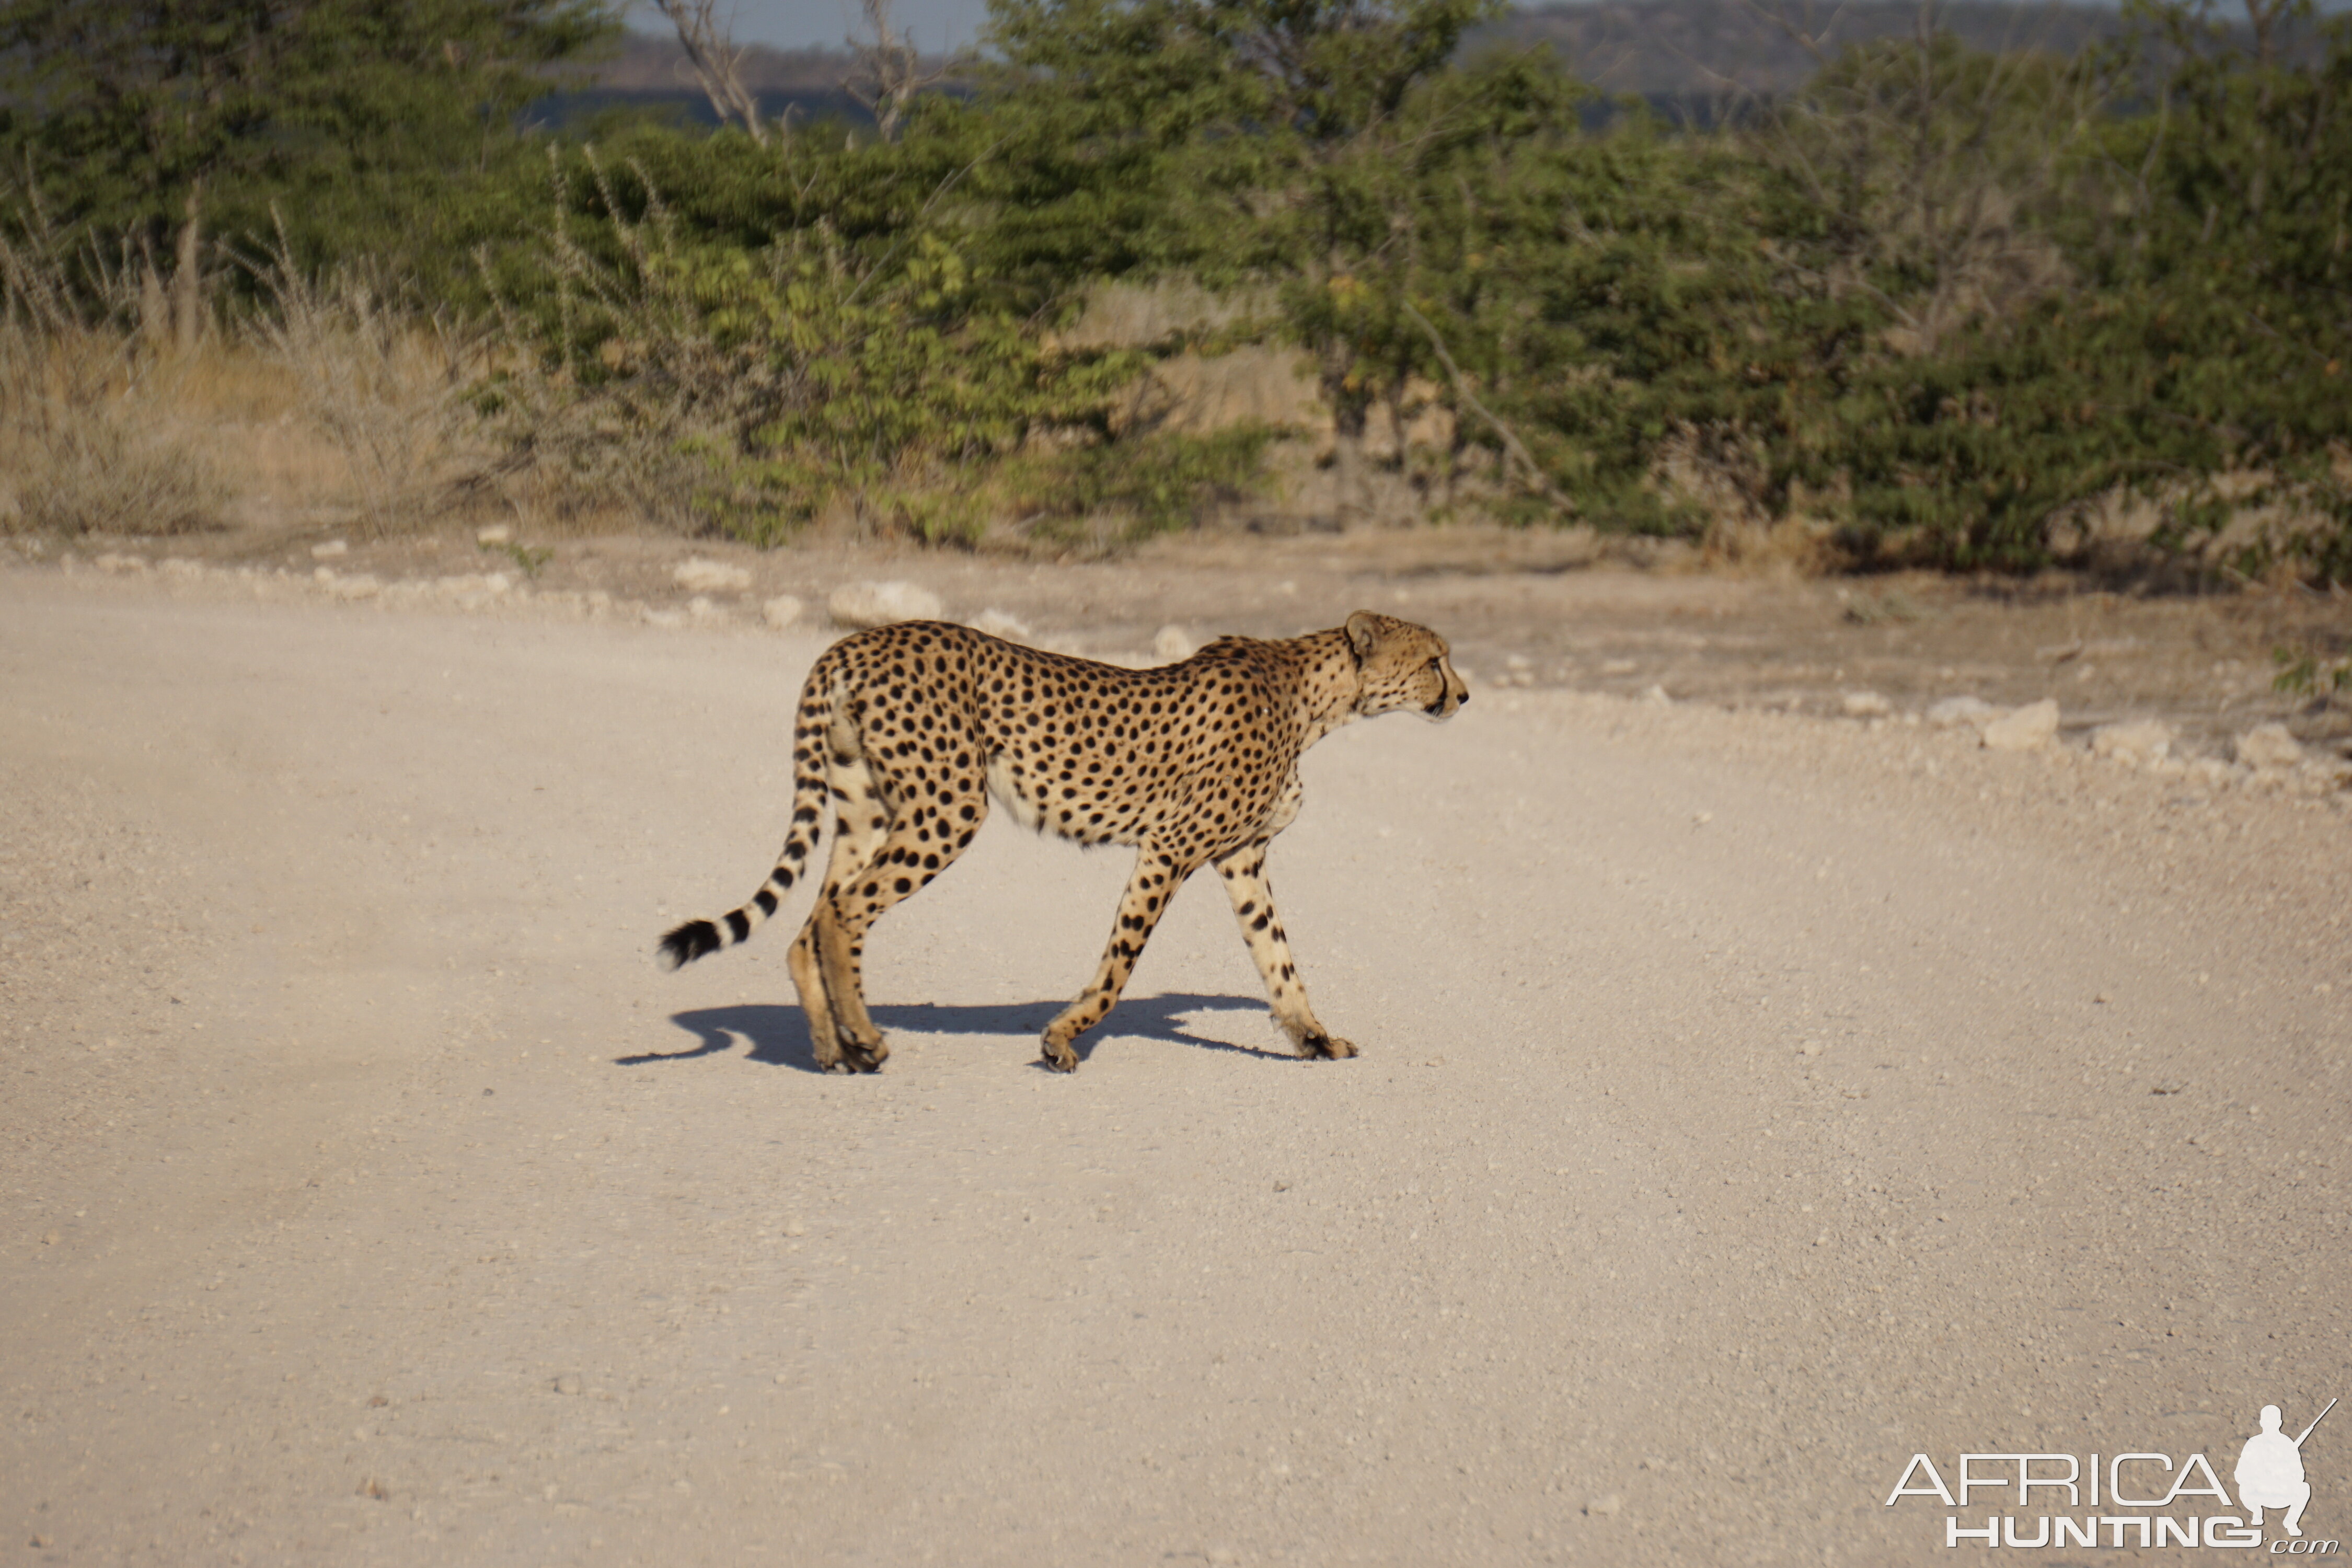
{"x":1749,"y":1102}
{"x":1526,"y":607}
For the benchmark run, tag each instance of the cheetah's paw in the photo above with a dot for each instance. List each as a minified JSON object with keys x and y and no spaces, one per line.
{"x":857,"y":1056}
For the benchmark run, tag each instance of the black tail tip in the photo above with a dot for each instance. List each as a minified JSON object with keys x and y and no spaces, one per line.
{"x":687,"y":943}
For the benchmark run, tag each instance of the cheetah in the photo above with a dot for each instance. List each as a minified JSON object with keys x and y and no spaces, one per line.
{"x":907,"y":732}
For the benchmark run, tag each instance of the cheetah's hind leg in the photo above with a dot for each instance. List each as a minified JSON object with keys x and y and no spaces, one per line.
{"x":808,"y":979}
{"x":861,"y":823}
{"x":897,"y":858}
{"x":840,"y":959}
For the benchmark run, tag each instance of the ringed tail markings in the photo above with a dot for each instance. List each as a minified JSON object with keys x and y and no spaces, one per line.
{"x":700,"y":938}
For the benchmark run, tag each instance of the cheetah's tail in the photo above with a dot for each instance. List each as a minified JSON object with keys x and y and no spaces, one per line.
{"x":696,"y":938}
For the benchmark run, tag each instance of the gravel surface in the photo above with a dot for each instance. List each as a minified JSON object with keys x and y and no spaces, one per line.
{"x":1524,"y":608}
{"x":1749,"y":1101}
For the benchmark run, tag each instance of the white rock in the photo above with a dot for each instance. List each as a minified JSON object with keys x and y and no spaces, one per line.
{"x":704,"y":611}
{"x":697,"y":575}
{"x":110,"y":562}
{"x":497,"y":583}
{"x":1954,"y":711}
{"x":880,"y":604}
{"x":2141,"y":741}
{"x":2332,"y":773}
{"x":180,"y":566}
{"x":1866,"y":705}
{"x":1172,"y":642}
{"x":997,"y":624}
{"x":2269,"y":746}
{"x":497,"y":533}
{"x":330,"y":550}
{"x":1657,"y":696}
{"x":359,"y":585}
{"x":2320,"y":776}
{"x":1605,"y":1507}
{"x":669,"y":620}
{"x":780,"y":611}
{"x":2211,"y":770}
{"x":2025,"y":728}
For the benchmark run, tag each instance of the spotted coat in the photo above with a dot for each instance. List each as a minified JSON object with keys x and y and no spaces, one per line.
{"x":906,"y":733}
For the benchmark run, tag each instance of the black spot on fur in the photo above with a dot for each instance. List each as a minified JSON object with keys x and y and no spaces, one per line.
{"x":687,"y":943}
{"x":740,"y":924}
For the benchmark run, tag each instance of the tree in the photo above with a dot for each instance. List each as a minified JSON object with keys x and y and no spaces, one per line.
{"x":1286,"y":107}
{"x":718,"y":62}
{"x":157,"y":119}
{"x":890,"y":71}
{"x":142,"y":104}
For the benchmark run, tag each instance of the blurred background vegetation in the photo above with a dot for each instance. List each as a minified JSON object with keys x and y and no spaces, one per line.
{"x":1974,"y":287}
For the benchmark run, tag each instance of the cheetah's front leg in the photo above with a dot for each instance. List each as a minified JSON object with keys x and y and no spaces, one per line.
{"x":1157,"y":876}
{"x":1252,"y":896}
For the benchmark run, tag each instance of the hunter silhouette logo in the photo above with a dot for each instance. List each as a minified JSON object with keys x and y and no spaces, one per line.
{"x":2132,"y":1497}
{"x":2269,"y":1471}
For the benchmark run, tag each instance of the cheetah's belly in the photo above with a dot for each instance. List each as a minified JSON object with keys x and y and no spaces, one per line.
{"x":1008,"y":794}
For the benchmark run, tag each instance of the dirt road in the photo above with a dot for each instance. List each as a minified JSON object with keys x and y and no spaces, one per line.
{"x":1749,"y":1103}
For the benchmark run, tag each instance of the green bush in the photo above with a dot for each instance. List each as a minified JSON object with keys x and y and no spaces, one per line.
{"x":1941,"y":300}
{"x":758,"y":388}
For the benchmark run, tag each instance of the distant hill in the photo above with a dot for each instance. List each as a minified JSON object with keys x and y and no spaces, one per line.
{"x":1680,"y":53}
{"x":1694,"y":49}
{"x":651,"y":72}
{"x":653,"y":62}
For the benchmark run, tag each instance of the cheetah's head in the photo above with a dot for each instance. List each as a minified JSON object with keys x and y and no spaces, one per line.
{"x":1399,"y":666}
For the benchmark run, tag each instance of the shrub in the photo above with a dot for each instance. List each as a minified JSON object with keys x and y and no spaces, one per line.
{"x":749,"y":391}
{"x":82,"y":447}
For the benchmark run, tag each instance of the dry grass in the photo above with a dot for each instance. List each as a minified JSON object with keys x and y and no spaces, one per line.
{"x":387,"y":382}
{"x":339,"y":402}
{"x":86,"y":442}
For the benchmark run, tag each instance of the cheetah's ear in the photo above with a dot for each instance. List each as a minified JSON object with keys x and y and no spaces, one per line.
{"x":1363,"y":630}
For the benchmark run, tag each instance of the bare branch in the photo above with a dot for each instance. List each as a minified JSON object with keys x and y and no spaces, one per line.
{"x":718,"y":61}
{"x":1513,"y":447}
{"x":890,"y":71}
{"x":1813,"y":44}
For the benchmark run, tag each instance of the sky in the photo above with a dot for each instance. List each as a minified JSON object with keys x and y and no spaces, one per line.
{"x":937,"y":25}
